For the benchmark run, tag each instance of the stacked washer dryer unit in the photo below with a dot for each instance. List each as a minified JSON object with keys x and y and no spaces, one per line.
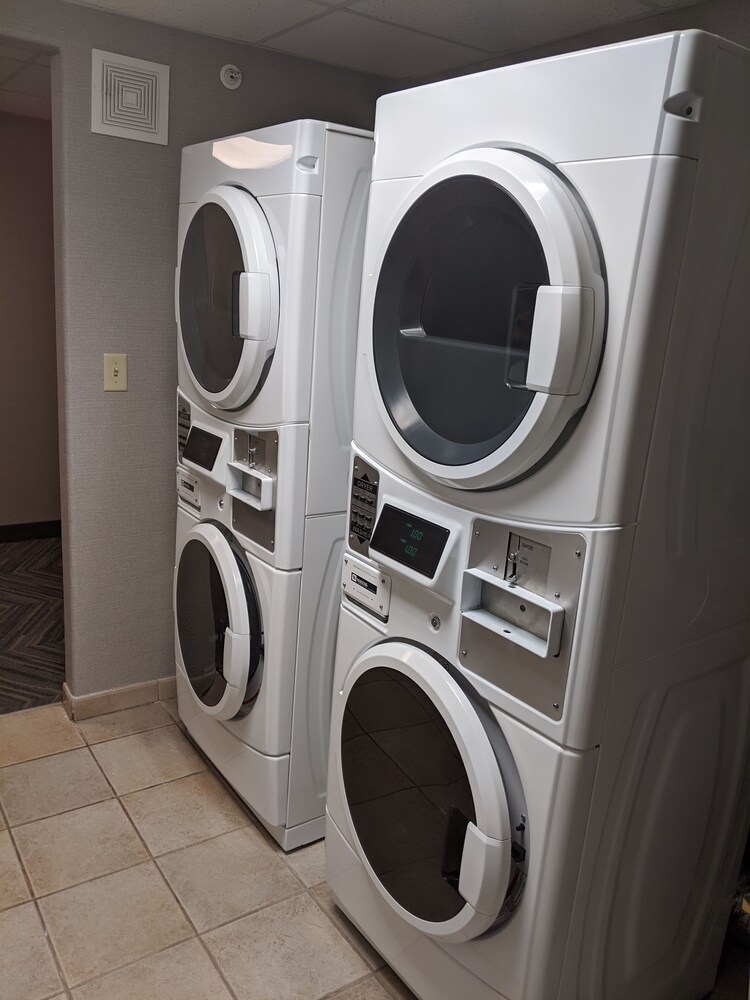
{"x":538,"y":779}
{"x":271,"y":229}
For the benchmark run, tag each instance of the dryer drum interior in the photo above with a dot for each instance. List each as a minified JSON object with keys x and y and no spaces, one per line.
{"x":488,"y":317}
{"x":452,"y":322}
{"x":211,"y":258}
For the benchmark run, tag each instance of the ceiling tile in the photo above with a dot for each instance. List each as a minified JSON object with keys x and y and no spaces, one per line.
{"x":25,"y":104}
{"x":240,"y":20}
{"x":503,"y":25}
{"x":476,"y":23}
{"x":346,"y":39}
{"x":22,"y":53}
{"x":8,"y":67}
{"x":538,"y":22}
{"x":33,"y":79}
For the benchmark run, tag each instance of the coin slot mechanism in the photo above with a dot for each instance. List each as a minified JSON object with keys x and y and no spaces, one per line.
{"x":251,"y":474}
{"x":513,"y":613}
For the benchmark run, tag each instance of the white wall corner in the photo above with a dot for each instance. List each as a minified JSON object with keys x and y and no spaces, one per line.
{"x":129,"y":97}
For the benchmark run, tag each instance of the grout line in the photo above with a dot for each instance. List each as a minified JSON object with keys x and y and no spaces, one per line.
{"x":128,"y":965}
{"x":44,"y":756}
{"x":355,"y":944}
{"x":340,"y":990}
{"x":192,"y":925}
{"x":250,"y":913}
{"x":53,"y":949}
{"x":111,"y":739}
{"x":215,"y":964}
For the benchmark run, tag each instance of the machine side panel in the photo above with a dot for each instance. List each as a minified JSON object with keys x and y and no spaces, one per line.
{"x":669,"y":814}
{"x":689,"y":576}
{"x":342,"y":229}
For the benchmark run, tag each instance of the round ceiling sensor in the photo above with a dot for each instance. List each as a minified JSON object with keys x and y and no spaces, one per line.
{"x":230,"y":76}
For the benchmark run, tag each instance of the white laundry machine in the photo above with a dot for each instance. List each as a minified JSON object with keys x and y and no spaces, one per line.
{"x":255,"y":622}
{"x":270,"y":235}
{"x":538,"y":782}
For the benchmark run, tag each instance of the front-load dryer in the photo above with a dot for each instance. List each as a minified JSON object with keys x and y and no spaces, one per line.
{"x":542,"y":238}
{"x":270,"y":234}
{"x":255,"y":605}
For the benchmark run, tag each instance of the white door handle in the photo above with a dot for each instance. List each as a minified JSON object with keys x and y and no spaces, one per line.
{"x":561,"y":338}
{"x":255,"y":305}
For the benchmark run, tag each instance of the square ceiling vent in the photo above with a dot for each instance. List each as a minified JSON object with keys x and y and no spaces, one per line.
{"x":129,"y":97}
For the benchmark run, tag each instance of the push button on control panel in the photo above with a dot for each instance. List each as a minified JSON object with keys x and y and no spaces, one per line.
{"x":362,"y":505}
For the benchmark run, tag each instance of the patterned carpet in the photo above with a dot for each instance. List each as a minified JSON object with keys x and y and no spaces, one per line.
{"x":32,"y":651}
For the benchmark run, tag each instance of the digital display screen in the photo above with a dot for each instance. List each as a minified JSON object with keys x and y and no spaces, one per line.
{"x":201,"y":448}
{"x":409,"y":540}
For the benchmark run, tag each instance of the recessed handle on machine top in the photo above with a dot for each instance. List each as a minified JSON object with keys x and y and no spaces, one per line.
{"x":262,"y":495}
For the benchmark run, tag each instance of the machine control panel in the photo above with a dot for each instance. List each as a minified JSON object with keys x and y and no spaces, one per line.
{"x":201,"y":448}
{"x":366,"y":586}
{"x":183,"y":425}
{"x":363,"y":505}
{"x":410,"y":540}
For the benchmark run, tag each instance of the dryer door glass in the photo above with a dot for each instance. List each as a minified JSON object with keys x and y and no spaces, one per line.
{"x":452,"y":320}
{"x":203,"y":617}
{"x":408,"y":792}
{"x":209,"y":275}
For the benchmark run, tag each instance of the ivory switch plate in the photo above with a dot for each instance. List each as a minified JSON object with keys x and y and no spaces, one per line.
{"x":115,"y":372}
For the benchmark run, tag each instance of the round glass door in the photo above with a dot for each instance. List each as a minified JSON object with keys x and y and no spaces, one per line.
{"x":218,"y":624}
{"x":228,"y":296}
{"x":487,"y":318}
{"x":211,"y":265}
{"x":424,"y":792}
{"x":452,"y":323}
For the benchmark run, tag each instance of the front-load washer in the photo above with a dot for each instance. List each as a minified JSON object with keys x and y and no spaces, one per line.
{"x":255,"y":604}
{"x":511,"y":813}
{"x":549,"y":499}
{"x":271,"y":226}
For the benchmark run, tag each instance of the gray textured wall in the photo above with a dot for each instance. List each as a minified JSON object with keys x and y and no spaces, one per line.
{"x":29,"y":475}
{"x":116,"y":231}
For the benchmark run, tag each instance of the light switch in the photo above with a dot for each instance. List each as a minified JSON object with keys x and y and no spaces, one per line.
{"x":115,"y":372}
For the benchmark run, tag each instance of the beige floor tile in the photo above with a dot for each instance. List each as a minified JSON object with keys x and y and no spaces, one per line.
{"x":322,"y":895}
{"x":146,"y":759}
{"x":102,"y":925}
{"x":125,"y":723}
{"x":184,"y":972}
{"x":309,"y":863}
{"x":27,"y":969}
{"x":39,"y":788}
{"x":365,"y":989}
{"x":13,"y":888}
{"x":224,"y":878}
{"x":171,"y":706}
{"x":289,"y":950}
{"x":77,"y":846}
{"x":184,"y":812}
{"x":396,"y":988}
{"x":37,"y":732}
{"x":2,"y":821}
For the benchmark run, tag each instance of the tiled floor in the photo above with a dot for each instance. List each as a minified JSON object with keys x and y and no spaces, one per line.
{"x":129,"y":871}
